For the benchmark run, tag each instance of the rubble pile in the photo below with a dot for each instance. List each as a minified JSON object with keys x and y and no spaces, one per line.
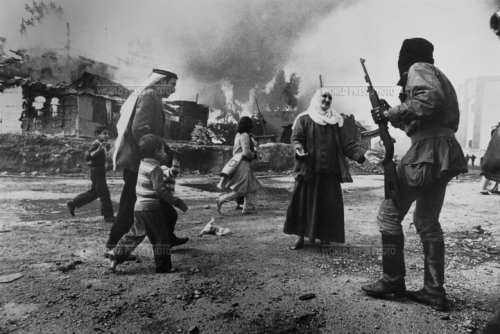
{"x":365,"y":168}
{"x":41,"y":154}
{"x":25,"y":154}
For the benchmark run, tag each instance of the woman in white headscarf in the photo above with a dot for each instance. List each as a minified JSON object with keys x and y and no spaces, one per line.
{"x":320,"y":143}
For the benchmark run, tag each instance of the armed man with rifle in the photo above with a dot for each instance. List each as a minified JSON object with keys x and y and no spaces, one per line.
{"x":429,"y":115}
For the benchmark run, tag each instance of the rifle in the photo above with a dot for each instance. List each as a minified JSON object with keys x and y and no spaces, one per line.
{"x":390,"y":175}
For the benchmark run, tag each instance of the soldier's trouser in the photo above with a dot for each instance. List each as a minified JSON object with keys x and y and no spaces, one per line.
{"x":428,"y":208}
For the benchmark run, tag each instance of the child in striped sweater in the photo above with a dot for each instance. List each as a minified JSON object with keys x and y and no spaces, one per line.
{"x":148,"y":214}
{"x":170,"y":173}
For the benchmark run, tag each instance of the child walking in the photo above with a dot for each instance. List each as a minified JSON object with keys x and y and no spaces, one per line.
{"x":149,"y":218}
{"x":96,"y":156}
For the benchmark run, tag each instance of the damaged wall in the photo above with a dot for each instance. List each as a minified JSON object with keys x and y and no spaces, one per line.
{"x":65,"y":155}
{"x":40,"y":153}
{"x":60,"y":124}
{"x":10,"y":104}
{"x":77,"y":116}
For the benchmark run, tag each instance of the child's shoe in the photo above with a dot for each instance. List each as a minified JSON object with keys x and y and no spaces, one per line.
{"x":112,"y":260}
{"x":71,"y":207}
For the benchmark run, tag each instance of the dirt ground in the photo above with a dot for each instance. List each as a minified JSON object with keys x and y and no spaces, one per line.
{"x":245,"y":282}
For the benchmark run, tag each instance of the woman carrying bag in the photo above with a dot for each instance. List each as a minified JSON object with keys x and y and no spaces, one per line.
{"x":237,"y":174}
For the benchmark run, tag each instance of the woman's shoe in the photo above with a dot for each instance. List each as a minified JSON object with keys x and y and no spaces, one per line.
{"x":219,"y":205}
{"x":299,"y":243}
{"x":247,"y":211}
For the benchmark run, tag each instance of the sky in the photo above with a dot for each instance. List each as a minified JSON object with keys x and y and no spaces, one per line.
{"x":241,"y":44}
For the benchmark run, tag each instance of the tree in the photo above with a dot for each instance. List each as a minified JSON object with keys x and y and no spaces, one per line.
{"x":276,"y":98}
{"x":38,"y":13}
{"x":291,"y":91}
{"x":283,"y":94}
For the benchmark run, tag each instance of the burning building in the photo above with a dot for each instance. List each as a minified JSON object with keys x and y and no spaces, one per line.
{"x":181,"y":118}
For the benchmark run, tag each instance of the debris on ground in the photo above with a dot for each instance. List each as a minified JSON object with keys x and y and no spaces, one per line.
{"x":10,"y":278}
{"x":211,"y":229}
{"x":307,"y":296}
{"x":69,"y":266}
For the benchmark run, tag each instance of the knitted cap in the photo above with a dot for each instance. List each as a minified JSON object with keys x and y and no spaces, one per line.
{"x":414,"y":50}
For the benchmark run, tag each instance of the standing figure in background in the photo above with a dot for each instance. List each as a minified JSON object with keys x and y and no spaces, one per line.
{"x":472,"y":159}
{"x":485,"y":182}
{"x":243,"y":182}
{"x":320,"y":144}
{"x":429,"y":114}
{"x":467,"y":159}
{"x":96,"y":156}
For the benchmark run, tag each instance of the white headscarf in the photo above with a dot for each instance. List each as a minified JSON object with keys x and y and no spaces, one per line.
{"x":318,"y":115}
{"x":127,"y":109}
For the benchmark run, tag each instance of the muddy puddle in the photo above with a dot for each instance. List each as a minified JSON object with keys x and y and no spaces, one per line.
{"x":42,"y":210}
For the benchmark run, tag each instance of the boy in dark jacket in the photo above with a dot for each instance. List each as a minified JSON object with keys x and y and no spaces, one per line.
{"x":96,"y":157}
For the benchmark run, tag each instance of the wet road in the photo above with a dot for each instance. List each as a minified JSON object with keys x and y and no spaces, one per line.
{"x":44,"y":199}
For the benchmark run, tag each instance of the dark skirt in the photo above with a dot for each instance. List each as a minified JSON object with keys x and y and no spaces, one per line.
{"x":317,"y":209}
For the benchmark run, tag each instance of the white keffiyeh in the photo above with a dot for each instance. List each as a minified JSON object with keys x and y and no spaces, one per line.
{"x":127,"y":109}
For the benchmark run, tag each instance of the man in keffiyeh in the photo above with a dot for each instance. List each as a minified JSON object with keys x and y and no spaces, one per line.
{"x":140,"y":115}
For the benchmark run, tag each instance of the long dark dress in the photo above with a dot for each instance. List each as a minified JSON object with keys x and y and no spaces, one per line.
{"x":317,"y":207}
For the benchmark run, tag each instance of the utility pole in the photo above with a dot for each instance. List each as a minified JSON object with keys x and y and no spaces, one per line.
{"x":67,"y":56}
{"x":320,"y":81}
{"x":196,"y":98}
{"x":261,"y":118}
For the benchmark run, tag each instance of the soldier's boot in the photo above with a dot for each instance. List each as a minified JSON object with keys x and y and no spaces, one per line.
{"x":433,"y":293}
{"x":393,"y":266}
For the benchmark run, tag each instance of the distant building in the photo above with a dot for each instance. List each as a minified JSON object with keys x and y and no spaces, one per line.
{"x":181,"y":118}
{"x":479,"y":102}
{"x":275,"y":123}
{"x":76,"y":110}
{"x":355,"y":129}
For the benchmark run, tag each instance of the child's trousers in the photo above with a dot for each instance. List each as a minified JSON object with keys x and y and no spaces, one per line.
{"x":151,"y":224}
{"x":99,"y":189}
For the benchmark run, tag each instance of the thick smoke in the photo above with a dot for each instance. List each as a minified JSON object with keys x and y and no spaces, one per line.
{"x":254,"y":49}
{"x":244,"y":43}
